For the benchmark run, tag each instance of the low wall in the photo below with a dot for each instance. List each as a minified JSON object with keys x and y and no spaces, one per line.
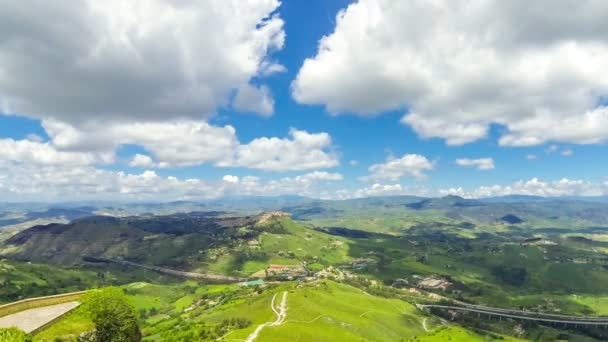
{"x":32,"y":303}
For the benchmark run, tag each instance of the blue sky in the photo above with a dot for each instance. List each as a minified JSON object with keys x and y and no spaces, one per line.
{"x":384,"y":88}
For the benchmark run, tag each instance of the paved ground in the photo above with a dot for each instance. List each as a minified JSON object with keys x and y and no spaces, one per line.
{"x":30,"y":320}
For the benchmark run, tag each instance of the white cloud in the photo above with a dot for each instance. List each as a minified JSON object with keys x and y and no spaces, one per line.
{"x":459,"y":67}
{"x":310,"y":184}
{"x":142,"y":160}
{"x":379,"y":190}
{"x":410,"y":165}
{"x":319,"y":176}
{"x":254,"y":99}
{"x":230,"y":179}
{"x":139,"y":60}
{"x":353,"y":162}
{"x":454,"y":192}
{"x":531,"y":157}
{"x":182,"y":143}
{"x":567,"y":152}
{"x":187,"y":143}
{"x":38,"y":153}
{"x":552,"y":149}
{"x":303,"y":151}
{"x":536,"y":187}
{"x":32,"y":182}
{"x":63,"y":183}
{"x":480,"y":164}
{"x":34,"y":137}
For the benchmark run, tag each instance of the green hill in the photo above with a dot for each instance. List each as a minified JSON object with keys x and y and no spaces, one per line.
{"x":317,"y":311}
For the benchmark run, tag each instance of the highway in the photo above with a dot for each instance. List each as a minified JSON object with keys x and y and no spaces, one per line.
{"x":206,"y":276}
{"x":522,"y":315}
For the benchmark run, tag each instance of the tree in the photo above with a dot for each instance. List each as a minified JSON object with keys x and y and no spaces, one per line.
{"x":114,"y":317}
{"x":515,"y":276}
{"x":13,"y":335}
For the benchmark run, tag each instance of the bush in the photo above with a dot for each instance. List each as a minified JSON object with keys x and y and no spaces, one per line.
{"x":114,"y":317}
{"x":13,"y":335}
{"x":515,"y":276}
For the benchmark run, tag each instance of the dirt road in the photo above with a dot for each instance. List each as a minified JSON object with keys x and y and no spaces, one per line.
{"x":281,"y":314}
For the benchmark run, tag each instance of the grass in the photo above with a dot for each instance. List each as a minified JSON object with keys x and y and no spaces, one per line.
{"x":337,"y":312}
{"x":329,"y":311}
{"x":67,"y":328}
{"x":304,"y":242}
{"x":459,"y":334}
{"x":324,"y":311}
{"x":598,"y":304}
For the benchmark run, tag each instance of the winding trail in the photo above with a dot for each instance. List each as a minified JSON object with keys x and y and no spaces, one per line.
{"x":424,"y":325}
{"x":281,"y":314}
{"x":307,"y":322}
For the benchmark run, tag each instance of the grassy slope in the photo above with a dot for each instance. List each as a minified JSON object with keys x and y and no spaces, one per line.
{"x":298,"y":243}
{"x":323,"y":311}
{"x":24,"y":280}
{"x":67,"y":328}
{"x":455,"y":333}
{"x":337,"y":312}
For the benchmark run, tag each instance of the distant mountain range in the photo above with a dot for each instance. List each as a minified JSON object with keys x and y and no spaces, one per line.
{"x":484,"y":209}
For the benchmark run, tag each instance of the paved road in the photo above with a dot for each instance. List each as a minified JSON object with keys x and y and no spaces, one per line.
{"x":523,"y":315}
{"x":206,"y":276}
{"x":32,"y":319}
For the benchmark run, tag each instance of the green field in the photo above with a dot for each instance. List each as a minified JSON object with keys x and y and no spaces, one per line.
{"x":377,"y":258}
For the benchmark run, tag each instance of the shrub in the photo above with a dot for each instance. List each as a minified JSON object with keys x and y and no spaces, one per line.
{"x":114,"y":317}
{"x":13,"y":335}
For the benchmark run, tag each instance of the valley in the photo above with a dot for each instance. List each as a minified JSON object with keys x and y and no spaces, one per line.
{"x":394,"y":269}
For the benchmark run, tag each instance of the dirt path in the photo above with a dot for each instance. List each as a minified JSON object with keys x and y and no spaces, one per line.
{"x":32,"y":319}
{"x":424,"y":325}
{"x":281,"y":314}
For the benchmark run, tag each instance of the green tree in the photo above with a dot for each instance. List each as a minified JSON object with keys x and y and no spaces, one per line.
{"x":13,"y":335}
{"x":114,"y":317}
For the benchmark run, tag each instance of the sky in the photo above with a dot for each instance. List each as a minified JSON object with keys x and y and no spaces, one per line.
{"x":166,"y":100}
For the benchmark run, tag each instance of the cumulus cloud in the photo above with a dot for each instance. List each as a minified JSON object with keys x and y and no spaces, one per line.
{"x":62,"y":183}
{"x":535,"y":187}
{"x":254,"y":99}
{"x":27,"y":182}
{"x":312,"y":184}
{"x":480,"y":164}
{"x":140,"y":60}
{"x":39,"y":153}
{"x":182,"y":143}
{"x":410,"y":165}
{"x":301,"y":151}
{"x":379,"y":190}
{"x":459,"y":67}
{"x":144,"y":161}
{"x":230,"y":179}
{"x":187,"y":143}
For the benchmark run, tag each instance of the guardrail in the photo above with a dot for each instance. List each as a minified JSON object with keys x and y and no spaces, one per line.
{"x":205,"y":276}
{"x":522,"y":315}
{"x":32,"y":303}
